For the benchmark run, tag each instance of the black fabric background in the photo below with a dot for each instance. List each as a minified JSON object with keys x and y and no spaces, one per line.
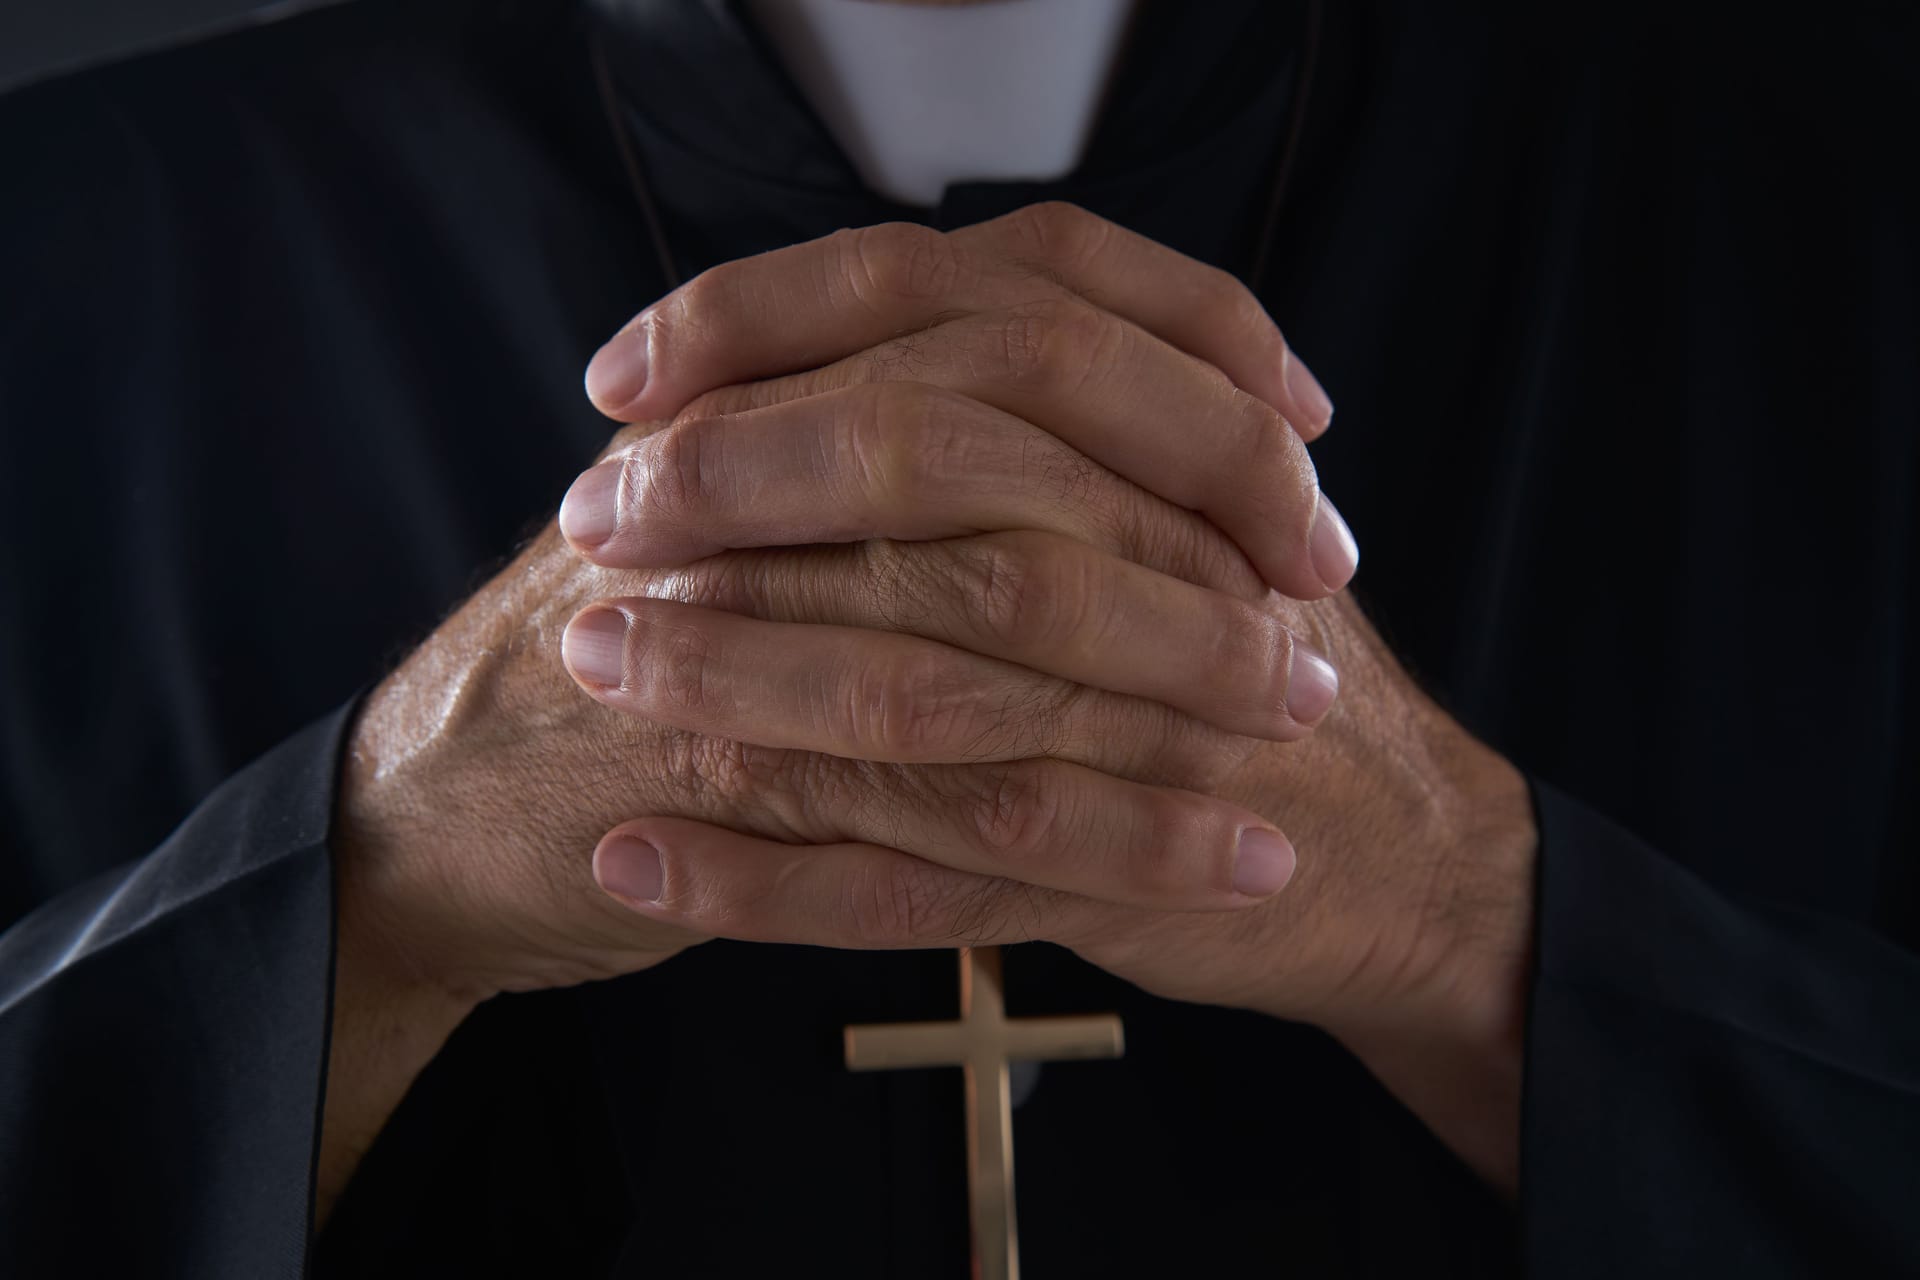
{"x":1620,"y":315}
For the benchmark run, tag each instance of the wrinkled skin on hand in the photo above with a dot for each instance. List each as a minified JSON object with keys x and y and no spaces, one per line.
{"x":1415,"y":840}
{"x":955,"y":588}
{"x":478,"y":776}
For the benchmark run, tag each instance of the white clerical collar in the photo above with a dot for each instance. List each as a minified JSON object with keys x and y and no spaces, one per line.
{"x":923,"y":95}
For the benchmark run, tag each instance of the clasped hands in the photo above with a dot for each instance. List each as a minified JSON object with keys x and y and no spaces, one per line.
{"x":957,"y":588}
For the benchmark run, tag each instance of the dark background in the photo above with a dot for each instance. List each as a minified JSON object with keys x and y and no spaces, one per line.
{"x":39,"y":39}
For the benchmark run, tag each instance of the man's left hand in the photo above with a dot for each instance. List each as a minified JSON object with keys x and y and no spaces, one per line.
{"x":1406,"y":928}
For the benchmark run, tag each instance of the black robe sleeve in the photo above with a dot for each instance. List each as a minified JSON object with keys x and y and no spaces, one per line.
{"x":163,"y":1035}
{"x":1713,"y":1088}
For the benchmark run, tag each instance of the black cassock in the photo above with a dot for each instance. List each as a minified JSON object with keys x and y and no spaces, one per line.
{"x":1622,"y":317}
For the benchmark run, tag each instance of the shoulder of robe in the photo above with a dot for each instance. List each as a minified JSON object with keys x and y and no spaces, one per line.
{"x":46,"y":42}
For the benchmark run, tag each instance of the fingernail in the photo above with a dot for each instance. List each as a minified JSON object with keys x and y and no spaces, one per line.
{"x":1265,"y":863}
{"x":1312,"y":685}
{"x":594,"y":647}
{"x":628,"y":867}
{"x":1335,"y":554}
{"x":617,"y":374}
{"x":592,"y":506}
{"x":1308,"y":393}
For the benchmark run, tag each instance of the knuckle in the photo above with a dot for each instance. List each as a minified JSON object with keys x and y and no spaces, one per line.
{"x":698,"y":309}
{"x":900,"y":439}
{"x":891,"y":902}
{"x":867,"y":420}
{"x":1001,"y":584}
{"x":1170,"y":827}
{"x":1018,"y":812}
{"x":902,"y":261}
{"x":911,"y":707}
{"x":1060,"y":233}
{"x":1055,"y":344}
{"x":1024,"y":339}
{"x":676,"y":668}
{"x":1254,"y":417}
{"x":1025,"y":596}
{"x":891,"y":576}
{"x":669,"y":476}
{"x":1247,"y":652}
{"x":1274,"y":450}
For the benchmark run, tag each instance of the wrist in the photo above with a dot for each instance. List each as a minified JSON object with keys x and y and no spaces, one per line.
{"x":388,"y":1021}
{"x":1449,"y":1041}
{"x":392,"y":1008}
{"x":398,"y":935}
{"x":1462,"y":1076}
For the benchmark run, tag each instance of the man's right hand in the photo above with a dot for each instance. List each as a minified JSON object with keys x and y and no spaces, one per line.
{"x":480,"y":776}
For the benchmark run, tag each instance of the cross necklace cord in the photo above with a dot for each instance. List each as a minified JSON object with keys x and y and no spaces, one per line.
{"x":984,"y":1041}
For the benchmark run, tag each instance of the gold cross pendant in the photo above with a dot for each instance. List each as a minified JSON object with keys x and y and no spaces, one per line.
{"x":984,"y":1041}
